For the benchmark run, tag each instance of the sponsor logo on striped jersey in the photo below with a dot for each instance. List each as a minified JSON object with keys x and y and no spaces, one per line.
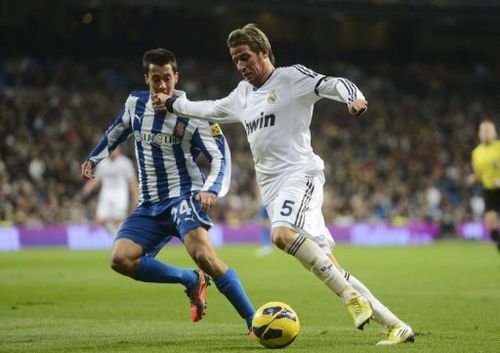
{"x":160,"y":139}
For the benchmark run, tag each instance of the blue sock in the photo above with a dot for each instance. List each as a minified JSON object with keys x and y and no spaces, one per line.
{"x":230,"y":285}
{"x":266,"y":237}
{"x":151,"y":270}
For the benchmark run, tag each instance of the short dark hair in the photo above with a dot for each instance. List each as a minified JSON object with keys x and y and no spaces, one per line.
{"x":252,"y":36}
{"x":159,"y":57}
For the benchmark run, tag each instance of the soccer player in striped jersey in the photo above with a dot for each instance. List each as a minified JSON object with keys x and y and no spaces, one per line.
{"x":174,"y":194}
{"x":275,"y":106}
{"x":486,"y":165}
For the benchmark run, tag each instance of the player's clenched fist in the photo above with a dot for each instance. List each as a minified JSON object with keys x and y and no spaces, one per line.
{"x":158,"y":101}
{"x":358,"y":106}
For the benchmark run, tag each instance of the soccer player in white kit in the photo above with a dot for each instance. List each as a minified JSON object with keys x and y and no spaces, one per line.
{"x":118,"y":190}
{"x":275,"y":106}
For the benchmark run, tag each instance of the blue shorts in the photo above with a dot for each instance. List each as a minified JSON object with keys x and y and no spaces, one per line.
{"x":152,"y":232}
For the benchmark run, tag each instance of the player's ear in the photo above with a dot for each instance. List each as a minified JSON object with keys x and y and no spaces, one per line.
{"x":176,"y":76}
{"x":146,"y":79}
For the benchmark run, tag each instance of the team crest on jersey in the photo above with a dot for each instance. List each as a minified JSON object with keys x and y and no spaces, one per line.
{"x":271,"y":97}
{"x":215,"y":130}
{"x":179,"y":129}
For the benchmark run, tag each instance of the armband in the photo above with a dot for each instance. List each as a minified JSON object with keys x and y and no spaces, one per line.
{"x":169,"y":104}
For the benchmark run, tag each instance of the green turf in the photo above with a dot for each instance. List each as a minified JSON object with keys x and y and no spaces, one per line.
{"x":70,"y":301}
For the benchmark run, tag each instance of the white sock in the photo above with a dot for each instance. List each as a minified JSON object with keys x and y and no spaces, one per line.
{"x":314,"y":259}
{"x":380,"y":313}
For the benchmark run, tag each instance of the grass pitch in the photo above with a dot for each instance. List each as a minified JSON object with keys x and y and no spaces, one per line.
{"x":56,"y":300}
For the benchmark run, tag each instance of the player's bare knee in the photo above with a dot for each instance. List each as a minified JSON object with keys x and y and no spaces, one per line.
{"x":123,"y":264}
{"x":125,"y":256}
{"x":281,"y":236}
{"x":118,"y":262}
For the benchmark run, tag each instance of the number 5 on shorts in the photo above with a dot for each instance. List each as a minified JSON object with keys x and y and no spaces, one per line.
{"x":286,"y":209}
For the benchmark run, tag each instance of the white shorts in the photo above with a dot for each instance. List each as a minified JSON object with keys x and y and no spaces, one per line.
{"x":298,"y":206}
{"x":112,"y":208}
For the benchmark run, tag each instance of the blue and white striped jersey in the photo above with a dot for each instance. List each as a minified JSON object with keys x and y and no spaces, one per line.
{"x":166,"y":148}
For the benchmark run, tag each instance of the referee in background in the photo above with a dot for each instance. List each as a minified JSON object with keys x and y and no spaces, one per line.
{"x":486,"y":165}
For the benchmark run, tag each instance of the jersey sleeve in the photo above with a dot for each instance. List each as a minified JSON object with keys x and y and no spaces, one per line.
{"x":304,"y":82}
{"x":219,"y":111}
{"x":119,"y":130}
{"x":339,"y":89}
{"x":210,"y":140}
{"x":312,"y":86}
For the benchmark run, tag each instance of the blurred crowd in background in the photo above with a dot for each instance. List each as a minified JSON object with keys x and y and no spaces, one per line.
{"x":407,"y":158}
{"x":428,"y":69}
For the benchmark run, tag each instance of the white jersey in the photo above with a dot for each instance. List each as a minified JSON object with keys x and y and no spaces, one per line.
{"x":276,"y":117}
{"x":115,"y":176}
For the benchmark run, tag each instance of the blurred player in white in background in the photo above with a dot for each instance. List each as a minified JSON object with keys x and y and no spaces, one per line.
{"x":275,"y":106}
{"x":118,"y":193}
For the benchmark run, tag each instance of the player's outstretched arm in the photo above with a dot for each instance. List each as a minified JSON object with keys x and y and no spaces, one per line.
{"x":119,"y":130}
{"x":342,"y":90}
{"x":219,"y":111}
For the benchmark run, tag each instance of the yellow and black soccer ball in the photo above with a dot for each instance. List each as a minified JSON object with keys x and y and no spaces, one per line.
{"x":275,"y":324}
